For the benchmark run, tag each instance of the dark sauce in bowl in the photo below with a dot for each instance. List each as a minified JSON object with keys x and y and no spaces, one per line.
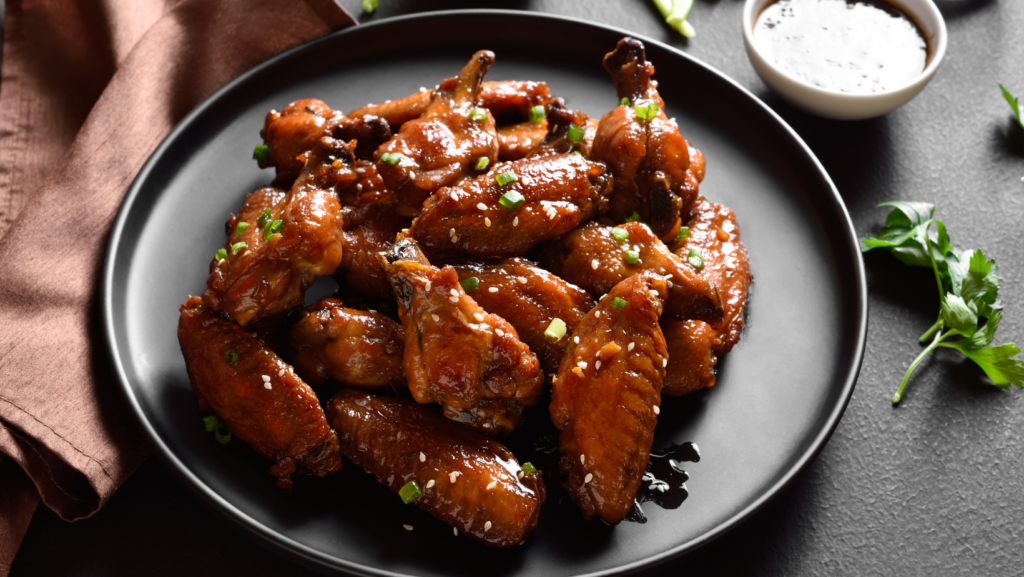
{"x":857,"y":47}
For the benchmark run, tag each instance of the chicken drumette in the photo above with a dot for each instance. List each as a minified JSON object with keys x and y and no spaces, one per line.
{"x":468,"y":480}
{"x":468,"y":360}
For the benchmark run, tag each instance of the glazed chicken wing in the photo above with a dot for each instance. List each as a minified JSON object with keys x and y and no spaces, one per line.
{"x":468,"y":360}
{"x":715,"y":238}
{"x":468,"y":480}
{"x":530,"y":298}
{"x":605,"y":397}
{"x":359,"y":349}
{"x":370,"y":229}
{"x":259,"y":396}
{"x":518,"y":140}
{"x":293,"y":132}
{"x":279,"y":243}
{"x":646,"y":154}
{"x":596,"y":257}
{"x":557,"y":194}
{"x":445,"y":143}
{"x":561,"y":137}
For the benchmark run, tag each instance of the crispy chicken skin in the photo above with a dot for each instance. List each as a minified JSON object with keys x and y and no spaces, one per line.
{"x":649,"y":158}
{"x":370,"y":229}
{"x":715,"y":233}
{"x":267,"y":274}
{"x":398,"y":441}
{"x":529,"y":297}
{"x":508,"y":100}
{"x":445,"y":143}
{"x":359,"y":349}
{"x":456,"y":353}
{"x":280,"y":419}
{"x":560,"y":192}
{"x":293,"y":132}
{"x":604,"y":397}
{"x":593,"y":259}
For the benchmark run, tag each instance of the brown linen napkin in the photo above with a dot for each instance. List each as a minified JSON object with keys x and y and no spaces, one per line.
{"x":88,"y":90}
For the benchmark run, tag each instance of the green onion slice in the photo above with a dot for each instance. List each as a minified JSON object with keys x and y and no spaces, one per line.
{"x":478,"y":114}
{"x":555,"y":330}
{"x":369,"y":6}
{"x":391,"y":158}
{"x":410,"y":492}
{"x":632,"y":256}
{"x":272,"y":228}
{"x":222,"y":433}
{"x":511,"y":200}
{"x":528,"y":468}
{"x":482,"y":162}
{"x":620,"y":234}
{"x":210,"y":422}
{"x":231,"y":357}
{"x":505,"y":178}
{"x":633,"y":217}
{"x":240,"y":228}
{"x":536,"y":114}
{"x":619,"y":303}
{"x":683,"y":234}
{"x":646,"y":112}
{"x":575,"y":134}
{"x":470,"y":284}
{"x":265,"y":216}
{"x":624,"y":102}
{"x":261,"y":153}
{"x":238,"y":247}
{"x":695,"y":258}
{"x":220,"y":255}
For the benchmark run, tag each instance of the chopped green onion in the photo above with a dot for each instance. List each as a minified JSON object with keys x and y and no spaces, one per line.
{"x":272,"y":228}
{"x":391,"y":158}
{"x":683,"y":234}
{"x":528,"y":468}
{"x":261,"y":153}
{"x":369,"y":6}
{"x":410,"y":492}
{"x":470,"y":284}
{"x":633,"y":217}
{"x":575,"y":134}
{"x":238,"y":247}
{"x":511,"y":200}
{"x":620,"y":234}
{"x":555,"y":330}
{"x":619,"y":303}
{"x":577,"y":152}
{"x":505,"y":178}
{"x":482,"y":162}
{"x":210,"y":422}
{"x":231,"y":357}
{"x":695,"y":258}
{"x":477,"y":114}
{"x":222,"y":433}
{"x":240,"y":228}
{"x":265,"y":217}
{"x":646,"y":112}
{"x":220,"y":255}
{"x":536,"y":114}
{"x":624,"y":102}
{"x":632,"y":256}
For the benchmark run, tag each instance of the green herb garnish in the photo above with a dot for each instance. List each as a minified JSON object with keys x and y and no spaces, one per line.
{"x":1015,"y":105}
{"x":620,"y":234}
{"x":273,"y":227}
{"x":470,"y":284}
{"x":220,"y":255}
{"x":536,"y":114}
{"x":511,"y":200}
{"x":675,"y":12}
{"x":575,"y":134}
{"x":631,"y":256}
{"x":482,"y":162}
{"x":555,"y":330}
{"x":410,"y":492}
{"x":646,"y":112}
{"x":528,"y":468}
{"x":261,"y":153}
{"x":633,"y":217}
{"x":624,"y":102}
{"x":695,"y":258}
{"x":240,"y":228}
{"x":505,"y":178}
{"x":222,"y":433}
{"x":264,"y":218}
{"x":683,"y":234}
{"x":238,"y":247}
{"x":968,"y":292}
{"x":477,"y":114}
{"x":231,"y":357}
{"x":210,"y":423}
{"x":619,"y":303}
{"x":391,"y":158}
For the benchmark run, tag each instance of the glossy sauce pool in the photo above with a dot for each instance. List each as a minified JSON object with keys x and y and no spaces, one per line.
{"x":857,"y":47}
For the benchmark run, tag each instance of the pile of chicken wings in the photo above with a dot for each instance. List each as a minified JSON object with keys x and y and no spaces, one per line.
{"x":521,"y":243}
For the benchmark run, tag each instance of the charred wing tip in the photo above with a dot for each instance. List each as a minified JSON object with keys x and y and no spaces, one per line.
{"x":485,"y":57}
{"x":627,"y":50}
{"x":405,"y":249}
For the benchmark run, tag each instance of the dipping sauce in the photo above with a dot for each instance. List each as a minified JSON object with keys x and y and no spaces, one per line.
{"x":860,"y":47}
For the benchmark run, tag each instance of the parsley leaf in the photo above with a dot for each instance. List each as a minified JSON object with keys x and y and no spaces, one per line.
{"x":675,"y":12}
{"x":968,"y":288}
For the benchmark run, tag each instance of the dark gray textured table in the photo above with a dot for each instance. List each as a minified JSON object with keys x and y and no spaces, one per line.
{"x":934,"y":487}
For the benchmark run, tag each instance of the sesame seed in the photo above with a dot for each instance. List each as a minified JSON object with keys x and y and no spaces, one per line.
{"x":594,"y":264}
{"x":487,"y":526}
{"x":360,"y":171}
{"x":588,"y":478}
{"x":412,"y":175}
{"x":426,"y":287}
{"x":583,"y":460}
{"x":423,"y":458}
{"x":661,"y":488}
{"x":453,"y":299}
{"x":281,"y":373}
{"x":521,"y":279}
{"x":266,"y":386}
{"x":582,"y":364}
{"x":515,"y":222}
{"x":453,"y":292}
{"x":451,"y":232}
{"x":653,"y":293}
{"x":487,"y":425}
{"x":630,"y":347}
{"x":455,"y":238}
{"x":266,"y":378}
{"x":430,"y":483}
{"x":597,"y":365}
{"x":499,"y":332}
{"x":597,"y":314}
{"x":453,"y":476}
{"x":503,"y":477}
{"x":407,"y":527}
{"x":492,"y":485}
{"x":487,"y":222}
{"x":664,"y":362}
{"x":422,"y":89}
{"x":481,"y":206}
{"x":479,"y":317}
{"x":520,"y":474}
{"x":657,"y":410}
{"x":493,"y":289}
{"x":359,"y":187}
{"x":456,"y":531}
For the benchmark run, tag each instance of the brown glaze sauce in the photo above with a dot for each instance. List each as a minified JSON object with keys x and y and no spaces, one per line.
{"x":859,"y":47}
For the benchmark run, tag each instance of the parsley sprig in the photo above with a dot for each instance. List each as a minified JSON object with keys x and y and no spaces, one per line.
{"x":968,"y":291}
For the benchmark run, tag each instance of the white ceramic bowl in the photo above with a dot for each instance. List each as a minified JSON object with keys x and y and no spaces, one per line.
{"x":841,"y":105}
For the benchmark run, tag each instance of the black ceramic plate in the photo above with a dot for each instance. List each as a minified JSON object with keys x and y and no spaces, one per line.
{"x":780,"y":393}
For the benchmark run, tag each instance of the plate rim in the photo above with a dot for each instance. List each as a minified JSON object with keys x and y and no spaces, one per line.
{"x":321,"y":559}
